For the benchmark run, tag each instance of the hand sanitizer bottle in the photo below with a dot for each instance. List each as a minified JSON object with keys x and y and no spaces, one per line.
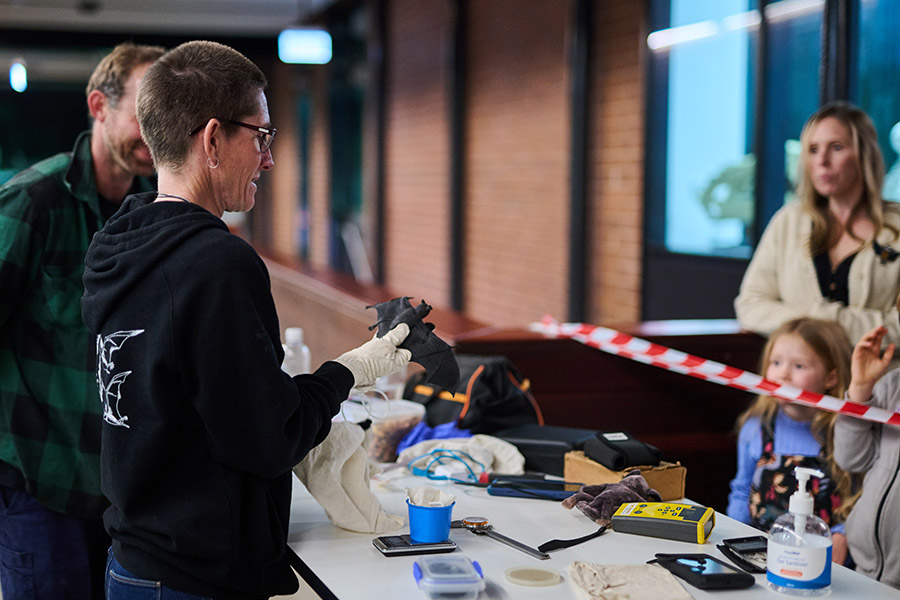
{"x":296,"y":353}
{"x":799,"y":550}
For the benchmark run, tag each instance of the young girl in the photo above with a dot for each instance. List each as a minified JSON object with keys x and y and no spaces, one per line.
{"x":776,"y":435}
{"x":872,"y":531}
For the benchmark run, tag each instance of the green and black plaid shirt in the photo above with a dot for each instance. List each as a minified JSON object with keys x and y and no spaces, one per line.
{"x":49,"y":405}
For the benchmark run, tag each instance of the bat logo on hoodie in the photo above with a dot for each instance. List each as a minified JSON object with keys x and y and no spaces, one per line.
{"x":108,"y":381}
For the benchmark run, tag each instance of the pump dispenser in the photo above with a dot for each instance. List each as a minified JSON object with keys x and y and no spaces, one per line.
{"x":799,"y":549}
{"x":296,"y":353}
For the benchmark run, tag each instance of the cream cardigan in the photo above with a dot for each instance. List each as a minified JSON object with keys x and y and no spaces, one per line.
{"x":781,"y":284}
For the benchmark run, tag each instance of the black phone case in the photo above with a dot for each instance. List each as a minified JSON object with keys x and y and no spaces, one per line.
{"x":755,"y":543}
{"x":411,"y":548}
{"x":733,"y":579}
{"x":737,"y":550}
{"x":739,"y":560}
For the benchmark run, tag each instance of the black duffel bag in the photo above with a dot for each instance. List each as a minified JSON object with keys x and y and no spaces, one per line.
{"x":491,"y":395}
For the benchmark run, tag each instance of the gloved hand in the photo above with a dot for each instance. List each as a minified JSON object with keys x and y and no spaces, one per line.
{"x":378,"y":357}
{"x":599,"y":502}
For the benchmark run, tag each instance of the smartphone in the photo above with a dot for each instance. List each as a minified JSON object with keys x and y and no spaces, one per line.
{"x":749,"y":553}
{"x":402,"y":545}
{"x":705,"y":572}
{"x":544,"y":489}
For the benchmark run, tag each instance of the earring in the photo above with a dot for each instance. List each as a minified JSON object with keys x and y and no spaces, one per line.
{"x":209,"y":162}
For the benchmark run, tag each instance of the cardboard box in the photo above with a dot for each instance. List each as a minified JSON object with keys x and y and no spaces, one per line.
{"x":667,"y":478}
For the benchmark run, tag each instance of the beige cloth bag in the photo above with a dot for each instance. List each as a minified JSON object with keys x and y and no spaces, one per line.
{"x":624,"y":582}
{"x":336,"y":473}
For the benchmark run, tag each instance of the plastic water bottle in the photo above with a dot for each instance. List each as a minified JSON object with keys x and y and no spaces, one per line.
{"x":296,"y":353}
{"x":799,"y":551}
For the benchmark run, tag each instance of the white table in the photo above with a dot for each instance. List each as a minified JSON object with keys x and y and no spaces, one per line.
{"x":352,"y":568}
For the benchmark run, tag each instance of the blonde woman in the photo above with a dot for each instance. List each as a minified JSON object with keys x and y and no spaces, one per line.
{"x":832,"y":252}
{"x":776,"y":436}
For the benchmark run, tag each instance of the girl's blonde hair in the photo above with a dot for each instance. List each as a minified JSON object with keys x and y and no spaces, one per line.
{"x":826,"y":229}
{"x":830,"y":343}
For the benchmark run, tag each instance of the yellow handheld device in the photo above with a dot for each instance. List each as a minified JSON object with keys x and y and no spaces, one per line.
{"x":683,"y":522}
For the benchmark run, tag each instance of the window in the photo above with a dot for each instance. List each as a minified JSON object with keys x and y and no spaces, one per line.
{"x":712,"y":145}
{"x":728,"y":96}
{"x":709,"y":163}
{"x":877,"y":89}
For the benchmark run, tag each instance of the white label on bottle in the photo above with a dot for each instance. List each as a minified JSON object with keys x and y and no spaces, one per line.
{"x":803,"y":563}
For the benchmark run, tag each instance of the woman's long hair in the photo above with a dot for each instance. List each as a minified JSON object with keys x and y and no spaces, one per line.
{"x":830,"y":343}
{"x":826,"y":229}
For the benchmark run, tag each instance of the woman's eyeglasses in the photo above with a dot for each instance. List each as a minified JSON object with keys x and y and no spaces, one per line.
{"x":265,"y":138}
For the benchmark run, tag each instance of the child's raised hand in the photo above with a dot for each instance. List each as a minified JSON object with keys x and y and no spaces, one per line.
{"x":868,"y":364}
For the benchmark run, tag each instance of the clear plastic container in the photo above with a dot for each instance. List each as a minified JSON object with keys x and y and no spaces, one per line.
{"x":453,"y":576}
{"x":391,"y":421}
{"x":392,"y":385}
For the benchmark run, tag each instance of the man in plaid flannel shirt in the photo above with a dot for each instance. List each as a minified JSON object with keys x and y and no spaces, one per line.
{"x":52,"y":542}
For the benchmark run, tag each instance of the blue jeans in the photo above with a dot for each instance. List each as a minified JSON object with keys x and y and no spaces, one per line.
{"x":122,"y":585}
{"x":47,"y":555}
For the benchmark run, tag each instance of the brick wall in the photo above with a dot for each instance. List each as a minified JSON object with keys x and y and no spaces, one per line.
{"x":280,"y":211}
{"x":517,"y":161}
{"x":319,"y":172}
{"x":285,"y":176}
{"x":417,"y":150}
{"x":616,"y":168}
{"x":516,"y":158}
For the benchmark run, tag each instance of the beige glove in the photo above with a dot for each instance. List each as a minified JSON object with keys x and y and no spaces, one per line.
{"x":377,"y":357}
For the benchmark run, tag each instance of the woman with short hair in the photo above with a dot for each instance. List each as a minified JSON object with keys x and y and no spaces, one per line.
{"x":201,"y":427}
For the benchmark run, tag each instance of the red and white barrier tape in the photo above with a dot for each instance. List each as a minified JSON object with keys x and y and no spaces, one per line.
{"x":628,"y":346}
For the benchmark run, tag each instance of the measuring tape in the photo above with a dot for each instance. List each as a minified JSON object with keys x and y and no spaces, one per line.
{"x":640,"y":350}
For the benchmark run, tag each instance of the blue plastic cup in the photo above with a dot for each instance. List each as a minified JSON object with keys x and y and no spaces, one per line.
{"x":429,"y":524}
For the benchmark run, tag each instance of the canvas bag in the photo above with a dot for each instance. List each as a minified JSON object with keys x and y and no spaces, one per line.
{"x":491,"y":395}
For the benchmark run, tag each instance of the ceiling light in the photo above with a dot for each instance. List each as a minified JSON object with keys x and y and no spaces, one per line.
{"x":18,"y":76}
{"x":304,"y":46}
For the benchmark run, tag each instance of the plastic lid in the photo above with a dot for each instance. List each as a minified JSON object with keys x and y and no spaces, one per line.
{"x":533,"y":576}
{"x":457,"y":575}
{"x":293,"y":336}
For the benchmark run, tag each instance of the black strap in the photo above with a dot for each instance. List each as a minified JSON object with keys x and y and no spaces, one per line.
{"x":309,"y":577}
{"x":557,"y":544}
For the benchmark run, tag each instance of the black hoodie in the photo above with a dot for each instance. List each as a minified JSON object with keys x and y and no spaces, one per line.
{"x":201,"y":427}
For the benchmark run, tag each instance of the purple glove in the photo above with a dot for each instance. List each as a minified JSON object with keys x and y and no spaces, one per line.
{"x":599,"y":502}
